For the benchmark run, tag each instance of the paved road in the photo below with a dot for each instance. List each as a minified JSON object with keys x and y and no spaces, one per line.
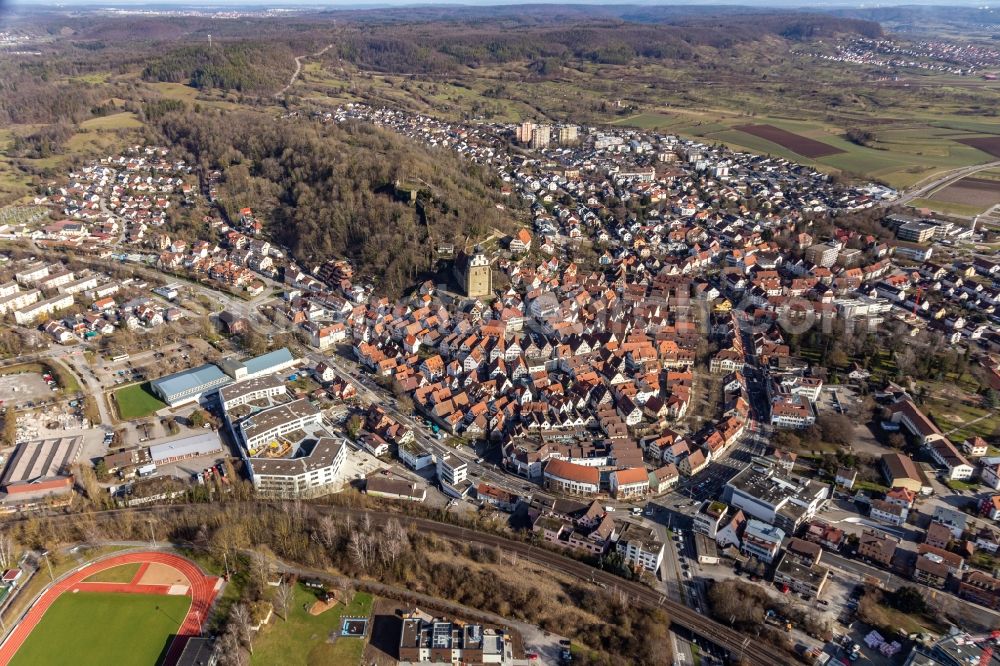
{"x":939,"y":181}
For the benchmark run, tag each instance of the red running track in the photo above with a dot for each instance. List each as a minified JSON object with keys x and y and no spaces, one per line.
{"x":201,"y":589}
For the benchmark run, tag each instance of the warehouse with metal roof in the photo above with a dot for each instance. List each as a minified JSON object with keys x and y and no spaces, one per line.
{"x":193,"y":446}
{"x":189,"y":385}
{"x":42,"y":467}
{"x":265,"y":364}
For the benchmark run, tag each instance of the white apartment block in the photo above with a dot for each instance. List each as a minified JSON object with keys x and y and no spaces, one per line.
{"x":639,"y":547}
{"x":268,"y":425}
{"x":452,"y":470}
{"x":80,"y":285}
{"x":31,"y":313}
{"x":310,"y":475}
{"x":56,"y":280}
{"x":18,"y":300}
{"x":250,"y":390}
{"x":32,"y":273}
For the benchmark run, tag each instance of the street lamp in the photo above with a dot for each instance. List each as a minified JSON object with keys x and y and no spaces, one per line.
{"x":45,"y":554}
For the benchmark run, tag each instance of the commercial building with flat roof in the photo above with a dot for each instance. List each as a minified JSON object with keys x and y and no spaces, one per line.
{"x":265,"y":427}
{"x":249,"y":390}
{"x":312,"y":472}
{"x":800,"y":577}
{"x":640,"y":547}
{"x":774,"y":497}
{"x":189,"y":385}
{"x":957,"y":649}
{"x":398,"y":489}
{"x":193,"y":446}
{"x":199,"y":652}
{"x":265,"y":364}
{"x":41,"y":468}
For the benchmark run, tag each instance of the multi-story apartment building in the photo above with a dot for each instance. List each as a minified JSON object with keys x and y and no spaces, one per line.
{"x":18,"y":300}
{"x":761,"y":540}
{"x":250,"y":390}
{"x":451,"y":470}
{"x":428,"y":640}
{"x":916,"y":232}
{"x":628,"y":483}
{"x":32,"y":312}
{"x":822,"y":254}
{"x":877,"y":547}
{"x":312,"y":472}
{"x":265,"y":427}
{"x":640,"y":547}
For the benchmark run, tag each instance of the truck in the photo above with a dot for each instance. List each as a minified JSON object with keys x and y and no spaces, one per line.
{"x":146,"y":470}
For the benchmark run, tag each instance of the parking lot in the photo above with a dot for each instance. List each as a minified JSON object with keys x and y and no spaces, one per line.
{"x":24,"y":387}
{"x":153,"y":363}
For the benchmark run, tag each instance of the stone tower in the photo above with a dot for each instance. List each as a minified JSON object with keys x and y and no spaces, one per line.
{"x":478,"y":275}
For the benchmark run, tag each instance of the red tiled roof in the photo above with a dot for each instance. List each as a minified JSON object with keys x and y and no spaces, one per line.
{"x":572,"y":472}
{"x":631,"y":475}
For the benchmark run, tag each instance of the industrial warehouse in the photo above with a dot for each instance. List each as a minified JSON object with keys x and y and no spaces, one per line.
{"x":41,"y":468}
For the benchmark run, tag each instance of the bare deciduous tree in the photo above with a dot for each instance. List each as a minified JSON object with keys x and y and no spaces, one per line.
{"x":242,"y":618}
{"x":395,"y":541}
{"x":283,"y":596}
{"x":326,"y":531}
{"x":6,"y":551}
{"x":231,"y":652}
{"x":358,"y":546}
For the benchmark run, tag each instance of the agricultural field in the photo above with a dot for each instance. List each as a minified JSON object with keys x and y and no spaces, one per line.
{"x":95,"y":628}
{"x":945,"y":208}
{"x":801,"y":145}
{"x":137,"y":401}
{"x":987,"y":144}
{"x":903,"y":154}
{"x":979,"y":194}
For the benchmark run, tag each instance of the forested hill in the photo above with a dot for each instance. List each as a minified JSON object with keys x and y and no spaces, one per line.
{"x":433,"y":40}
{"x":326,"y":191}
{"x":447,"y":44}
{"x":258,"y":68}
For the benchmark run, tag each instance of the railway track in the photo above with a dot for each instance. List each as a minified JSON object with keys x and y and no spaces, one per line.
{"x":738,"y":645}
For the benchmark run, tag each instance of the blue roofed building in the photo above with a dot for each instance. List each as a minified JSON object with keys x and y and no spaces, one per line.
{"x":265,"y":364}
{"x":189,"y":385}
